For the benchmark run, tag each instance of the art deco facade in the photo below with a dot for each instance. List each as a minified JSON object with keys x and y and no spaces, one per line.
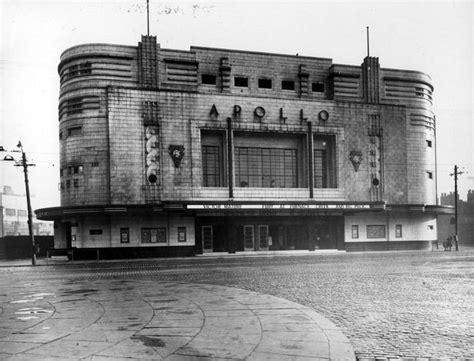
{"x":181,"y":152}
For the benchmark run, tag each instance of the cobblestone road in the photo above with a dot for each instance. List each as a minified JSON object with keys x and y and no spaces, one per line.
{"x":406,"y":304}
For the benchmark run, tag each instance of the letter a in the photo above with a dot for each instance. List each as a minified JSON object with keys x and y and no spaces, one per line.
{"x":214,"y":113}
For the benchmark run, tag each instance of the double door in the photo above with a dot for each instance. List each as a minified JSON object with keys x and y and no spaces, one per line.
{"x":256,"y":237}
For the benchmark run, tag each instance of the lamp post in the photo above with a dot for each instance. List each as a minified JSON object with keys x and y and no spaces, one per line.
{"x":23,"y":163}
{"x":455,"y":174}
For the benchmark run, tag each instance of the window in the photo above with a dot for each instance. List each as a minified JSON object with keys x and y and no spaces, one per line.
{"x":74,"y":105}
{"x":61,"y":172}
{"x":124,"y":235}
{"x":355,"y":231}
{"x":60,"y":135}
{"x":430,"y":227}
{"x":154,"y":235}
{"x":430,"y":174}
{"x":288,"y":85}
{"x":211,"y":166}
{"x":78,"y":104}
{"x":419,"y":92}
{"x":79,"y":69}
{"x":398,"y":231}
{"x":429,"y":143}
{"x":75,"y":169}
{"x":208,"y":79}
{"x":10,"y":212}
{"x":266,"y":167}
{"x":76,"y":183}
{"x":181,"y":234}
{"x":212,"y":155}
{"x":94,"y":232}
{"x":22,"y":213}
{"x":74,"y":131}
{"x":264,"y":83}
{"x":241,"y":82}
{"x":68,"y":183}
{"x":94,"y":164}
{"x":317,"y":87}
{"x":376,"y":231}
{"x":320,"y":168}
{"x":324,"y":165}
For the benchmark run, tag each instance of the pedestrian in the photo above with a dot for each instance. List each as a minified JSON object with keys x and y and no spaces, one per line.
{"x":448,"y":244}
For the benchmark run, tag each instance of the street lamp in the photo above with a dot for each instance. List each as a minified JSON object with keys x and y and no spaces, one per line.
{"x":455,"y":174}
{"x":23,"y":163}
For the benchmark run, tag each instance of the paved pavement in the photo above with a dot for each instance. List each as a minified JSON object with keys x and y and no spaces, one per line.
{"x":55,"y":318}
{"x":389,"y":304}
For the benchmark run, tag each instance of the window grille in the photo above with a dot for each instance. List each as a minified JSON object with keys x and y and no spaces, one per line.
{"x":212,"y":166}
{"x":288,"y":85}
{"x":317,"y":87}
{"x":209,"y":79}
{"x":266,"y":167}
{"x":264,"y":83}
{"x":241,"y":82}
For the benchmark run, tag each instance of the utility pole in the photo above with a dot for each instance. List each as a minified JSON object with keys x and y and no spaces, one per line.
{"x":456,"y":196}
{"x":23,"y":163}
{"x":28,"y":201}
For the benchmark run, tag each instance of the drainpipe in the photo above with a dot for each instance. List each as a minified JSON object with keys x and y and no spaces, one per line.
{"x":436,"y":163}
{"x":230,"y":158}
{"x":388,"y":231}
{"x":310,"y":159}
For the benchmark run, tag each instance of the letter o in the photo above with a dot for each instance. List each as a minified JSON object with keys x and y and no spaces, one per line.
{"x":259,"y":112}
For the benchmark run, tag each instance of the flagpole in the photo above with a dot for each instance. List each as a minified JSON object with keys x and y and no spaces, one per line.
{"x":368,"y":44}
{"x":148,"y":17}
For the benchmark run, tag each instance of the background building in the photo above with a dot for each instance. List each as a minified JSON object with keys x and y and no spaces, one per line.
{"x":465,"y":219}
{"x":14,"y":216}
{"x":180,"y":152}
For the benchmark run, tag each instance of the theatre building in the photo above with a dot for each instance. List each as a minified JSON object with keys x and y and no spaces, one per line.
{"x":172,"y":152}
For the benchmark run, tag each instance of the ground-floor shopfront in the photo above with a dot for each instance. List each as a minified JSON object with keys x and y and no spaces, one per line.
{"x":268,"y":233}
{"x":191,"y":229}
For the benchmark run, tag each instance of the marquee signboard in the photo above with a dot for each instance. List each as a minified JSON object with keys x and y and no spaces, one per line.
{"x":278,"y":206}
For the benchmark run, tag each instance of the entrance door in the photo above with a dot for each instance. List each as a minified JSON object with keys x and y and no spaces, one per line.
{"x":249,"y":238}
{"x":262,"y":238}
{"x":68,"y":235}
{"x":207,"y":239}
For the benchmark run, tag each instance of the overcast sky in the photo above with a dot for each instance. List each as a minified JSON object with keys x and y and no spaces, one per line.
{"x":435,"y":37}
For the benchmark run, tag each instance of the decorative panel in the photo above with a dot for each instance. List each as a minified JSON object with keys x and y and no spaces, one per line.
{"x":370,"y":73}
{"x":148,"y":62}
{"x":152,"y":154}
{"x":375,"y":157}
{"x":181,"y":72}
